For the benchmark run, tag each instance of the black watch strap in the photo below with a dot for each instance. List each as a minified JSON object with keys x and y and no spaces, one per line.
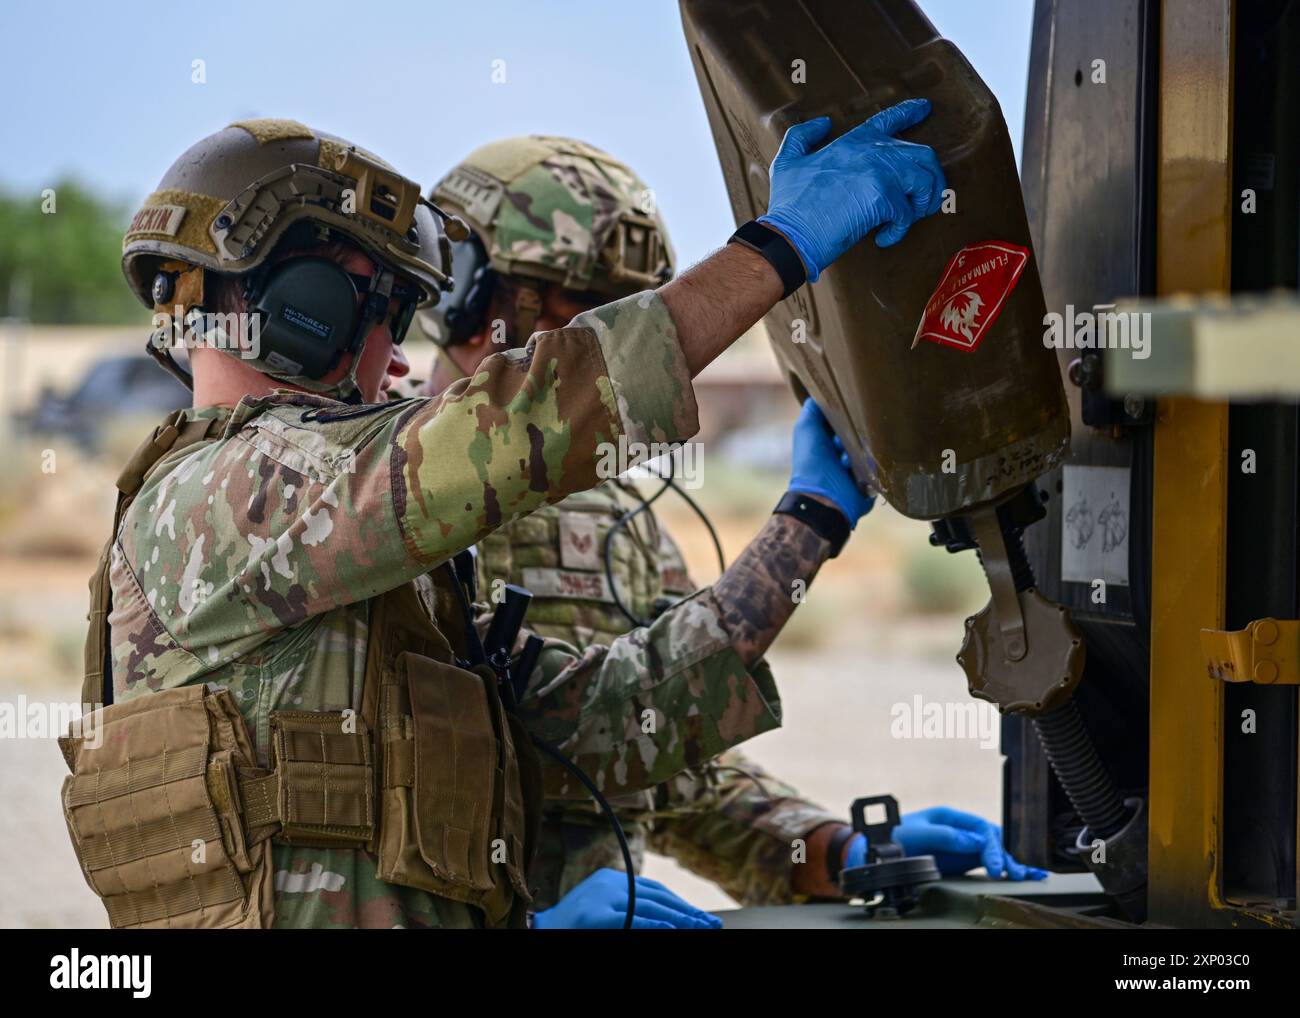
{"x":835,"y":852}
{"x":827,"y":523}
{"x":779,"y":252}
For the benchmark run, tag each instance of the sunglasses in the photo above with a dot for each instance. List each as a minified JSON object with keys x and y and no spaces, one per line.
{"x":402,"y":302}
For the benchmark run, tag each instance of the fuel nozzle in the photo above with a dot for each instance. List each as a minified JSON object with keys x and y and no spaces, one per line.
{"x":891,"y":881}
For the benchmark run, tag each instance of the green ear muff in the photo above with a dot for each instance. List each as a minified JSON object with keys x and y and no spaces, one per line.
{"x":309,"y":315}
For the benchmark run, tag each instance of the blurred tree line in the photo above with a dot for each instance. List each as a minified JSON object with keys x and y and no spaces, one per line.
{"x":64,"y":266}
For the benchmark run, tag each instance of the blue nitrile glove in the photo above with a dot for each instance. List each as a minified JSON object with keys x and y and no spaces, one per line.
{"x":959,"y":842}
{"x":825,"y":201}
{"x":600,"y":903}
{"x":821,"y":466}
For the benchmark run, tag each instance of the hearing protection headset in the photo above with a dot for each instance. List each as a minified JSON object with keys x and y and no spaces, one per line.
{"x":463,"y":308}
{"x":312,"y":312}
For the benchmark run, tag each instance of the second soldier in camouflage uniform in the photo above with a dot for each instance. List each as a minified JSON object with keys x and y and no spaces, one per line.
{"x":561,"y":226}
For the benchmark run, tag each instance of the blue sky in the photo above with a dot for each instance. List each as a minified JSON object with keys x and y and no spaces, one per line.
{"x":103,"y":91}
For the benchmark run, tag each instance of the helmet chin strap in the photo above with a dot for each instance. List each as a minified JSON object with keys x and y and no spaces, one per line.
{"x":346,"y":388}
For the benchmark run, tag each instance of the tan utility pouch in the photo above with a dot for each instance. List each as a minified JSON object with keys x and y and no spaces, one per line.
{"x":452,"y":798}
{"x":154,"y":808}
{"x":324,"y":779}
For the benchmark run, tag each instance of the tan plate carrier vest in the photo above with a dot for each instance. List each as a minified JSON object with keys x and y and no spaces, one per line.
{"x":172,"y":819}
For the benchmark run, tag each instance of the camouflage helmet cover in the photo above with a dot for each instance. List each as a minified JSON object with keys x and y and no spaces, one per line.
{"x":226,"y":201}
{"x":562,"y":211}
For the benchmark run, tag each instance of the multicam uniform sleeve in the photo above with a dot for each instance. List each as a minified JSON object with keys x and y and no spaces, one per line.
{"x":655,"y":702}
{"x":529,"y":426}
{"x":734,"y":824}
{"x":425,"y":478}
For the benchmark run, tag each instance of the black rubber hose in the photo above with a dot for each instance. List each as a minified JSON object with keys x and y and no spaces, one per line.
{"x":1080,"y":771}
{"x":1065,"y":739}
{"x":554,"y":752}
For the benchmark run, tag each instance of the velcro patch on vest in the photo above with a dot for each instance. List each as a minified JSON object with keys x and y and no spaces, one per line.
{"x":579,"y":548}
{"x":164,"y":219}
{"x":676,"y":580}
{"x":567,"y":583}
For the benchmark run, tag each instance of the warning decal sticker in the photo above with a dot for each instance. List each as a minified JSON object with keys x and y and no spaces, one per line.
{"x":971,"y":293}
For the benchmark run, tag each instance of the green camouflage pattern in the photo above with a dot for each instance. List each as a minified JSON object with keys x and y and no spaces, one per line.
{"x":248,"y":561}
{"x":728,"y":821}
{"x":557,"y":553}
{"x":746,"y":842}
{"x":547,"y":207}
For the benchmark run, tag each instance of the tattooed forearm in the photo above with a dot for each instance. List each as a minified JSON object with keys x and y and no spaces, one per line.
{"x":757,"y":593}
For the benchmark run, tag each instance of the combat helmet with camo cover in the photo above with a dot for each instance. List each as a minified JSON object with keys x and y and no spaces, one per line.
{"x":223,"y":205}
{"x":546,"y":211}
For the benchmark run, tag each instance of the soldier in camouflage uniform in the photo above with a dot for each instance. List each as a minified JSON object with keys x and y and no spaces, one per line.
{"x":550,"y":219}
{"x":264,"y":603}
{"x":553,"y":222}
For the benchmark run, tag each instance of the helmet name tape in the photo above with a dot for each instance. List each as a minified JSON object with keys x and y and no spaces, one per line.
{"x":164,"y":219}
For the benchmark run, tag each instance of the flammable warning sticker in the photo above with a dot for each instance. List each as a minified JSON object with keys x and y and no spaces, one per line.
{"x":971,"y":293}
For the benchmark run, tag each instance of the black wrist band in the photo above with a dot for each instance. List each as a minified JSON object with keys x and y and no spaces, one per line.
{"x":778,"y":251}
{"x":835,"y":851}
{"x":827,"y":523}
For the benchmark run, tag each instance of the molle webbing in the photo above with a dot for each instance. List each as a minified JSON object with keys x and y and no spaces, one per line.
{"x":154,"y":813}
{"x":326,"y":780}
{"x":205,"y":892}
{"x":170,"y":818}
